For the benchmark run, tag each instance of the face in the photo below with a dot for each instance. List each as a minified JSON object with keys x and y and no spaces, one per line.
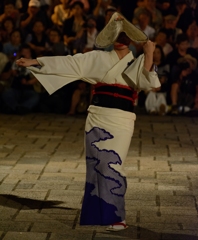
{"x":33,"y":10}
{"x":108,"y":16}
{"x":143,"y":20}
{"x":38,"y":27}
{"x":77,"y":10}
{"x":8,"y":25}
{"x":170,"y":24}
{"x":192,"y":30}
{"x":91,"y":23}
{"x":183,"y":46}
{"x":161,"y":39}
{"x":122,"y":41}
{"x":54,"y":37}
{"x":9,"y":9}
{"x":26,"y":53}
{"x":186,"y":72}
{"x":157,"y":54}
{"x":15,"y":38}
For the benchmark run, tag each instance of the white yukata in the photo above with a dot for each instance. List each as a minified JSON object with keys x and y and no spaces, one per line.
{"x":108,"y":131}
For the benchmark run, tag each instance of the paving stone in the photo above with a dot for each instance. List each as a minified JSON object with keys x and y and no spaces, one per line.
{"x":25,"y":236}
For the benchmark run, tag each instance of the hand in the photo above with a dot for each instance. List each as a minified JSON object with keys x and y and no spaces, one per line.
{"x":149,"y":47}
{"x":24,"y":62}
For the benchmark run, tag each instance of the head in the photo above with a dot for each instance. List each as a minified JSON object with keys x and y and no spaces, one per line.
{"x":8,"y":24}
{"x":122,"y":41}
{"x":65,"y":2}
{"x":25,"y":51}
{"x":9,"y":7}
{"x":55,"y":35}
{"x":34,"y":6}
{"x":158,"y":54}
{"x":91,"y":22}
{"x":140,"y":3}
{"x":191,"y":60}
{"x":161,"y":38}
{"x":182,"y":43}
{"x":144,"y":19}
{"x":16,"y":37}
{"x":77,"y":8}
{"x":38,"y":27}
{"x":109,"y":12}
{"x":184,"y":69}
{"x":165,"y":4}
{"x":170,"y":22}
{"x":150,"y":3}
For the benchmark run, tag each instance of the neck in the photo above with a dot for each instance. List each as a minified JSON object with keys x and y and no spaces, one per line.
{"x":122,"y":52}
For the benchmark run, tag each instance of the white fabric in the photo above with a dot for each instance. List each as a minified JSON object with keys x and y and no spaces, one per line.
{"x":92,"y":67}
{"x":154,"y":100}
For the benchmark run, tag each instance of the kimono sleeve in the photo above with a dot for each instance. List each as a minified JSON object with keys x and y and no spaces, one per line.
{"x":140,"y":77}
{"x":55,"y":72}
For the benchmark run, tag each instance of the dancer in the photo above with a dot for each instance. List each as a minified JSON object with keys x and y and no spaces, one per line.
{"x":116,"y":77}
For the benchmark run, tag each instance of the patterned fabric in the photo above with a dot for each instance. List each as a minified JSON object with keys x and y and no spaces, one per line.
{"x":106,"y":149}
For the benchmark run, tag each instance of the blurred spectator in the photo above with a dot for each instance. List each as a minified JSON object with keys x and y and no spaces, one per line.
{"x":5,"y":71}
{"x":161,"y":39}
{"x":61,"y":12}
{"x":10,"y":11}
{"x":143,"y":23}
{"x":56,"y":46}
{"x":184,"y":88}
{"x":165,"y":6}
{"x":11,"y":48}
{"x":192,"y":33}
{"x":21,"y":97}
{"x":182,"y":48}
{"x":38,"y":39}
{"x":101,"y":7}
{"x":33,"y":13}
{"x":73,"y":26}
{"x":8,"y":26}
{"x":85,"y":4}
{"x":156,"y":16}
{"x":156,"y":99}
{"x":86,"y":42}
{"x":170,"y":22}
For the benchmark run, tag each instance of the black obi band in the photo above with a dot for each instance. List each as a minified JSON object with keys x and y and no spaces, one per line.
{"x":114,"y":96}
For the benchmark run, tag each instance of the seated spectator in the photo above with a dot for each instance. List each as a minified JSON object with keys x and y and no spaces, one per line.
{"x":192,"y":33}
{"x":5,"y":72}
{"x":8,"y":26}
{"x":56,"y":46}
{"x":80,"y":99}
{"x":33,"y":13}
{"x":85,"y":4}
{"x":86,"y":42}
{"x":143,"y":23}
{"x":21,"y":97}
{"x":156,"y":16}
{"x":73,"y":26}
{"x":184,"y":88}
{"x":156,"y":99}
{"x":165,"y":7}
{"x":10,"y":11}
{"x":11,"y":48}
{"x":61,"y":12}
{"x":182,"y":48}
{"x":162,"y":40}
{"x":38,"y":39}
{"x":170,"y":22}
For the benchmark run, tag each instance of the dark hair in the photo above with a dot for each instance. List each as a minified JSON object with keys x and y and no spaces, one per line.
{"x":24,"y":46}
{"x":8,"y":19}
{"x":7,"y":2}
{"x":162,"y":53}
{"x":56,"y":29}
{"x":182,"y":37}
{"x":79,"y":3}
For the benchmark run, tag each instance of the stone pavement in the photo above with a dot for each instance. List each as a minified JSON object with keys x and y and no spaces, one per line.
{"x":42,"y":174}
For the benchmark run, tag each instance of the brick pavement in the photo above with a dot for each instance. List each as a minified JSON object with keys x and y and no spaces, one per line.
{"x":42,"y":174}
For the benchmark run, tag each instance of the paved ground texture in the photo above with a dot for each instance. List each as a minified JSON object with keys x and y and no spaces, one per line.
{"x":42,"y":174}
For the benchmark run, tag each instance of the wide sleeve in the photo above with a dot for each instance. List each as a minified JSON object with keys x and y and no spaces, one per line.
{"x":55,"y":72}
{"x":141,"y":78}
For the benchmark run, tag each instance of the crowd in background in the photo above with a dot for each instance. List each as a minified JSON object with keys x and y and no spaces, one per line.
{"x":36,"y":28}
